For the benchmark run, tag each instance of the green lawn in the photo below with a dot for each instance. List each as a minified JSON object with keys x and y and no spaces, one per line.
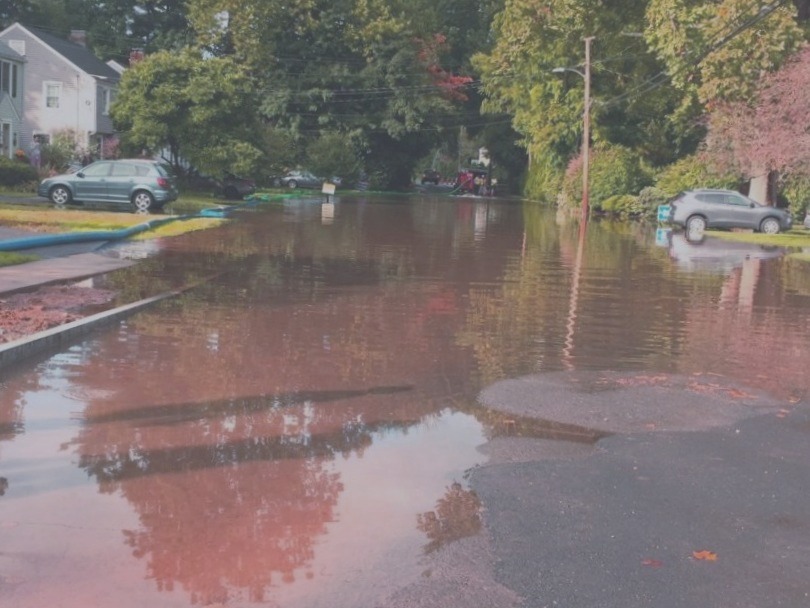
{"x":798,"y":237}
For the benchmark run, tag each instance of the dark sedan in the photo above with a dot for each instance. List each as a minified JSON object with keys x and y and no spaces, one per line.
{"x":298,"y":179}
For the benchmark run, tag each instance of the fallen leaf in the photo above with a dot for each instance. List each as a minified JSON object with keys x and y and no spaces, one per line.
{"x":652,"y":563}
{"x":705,"y":555}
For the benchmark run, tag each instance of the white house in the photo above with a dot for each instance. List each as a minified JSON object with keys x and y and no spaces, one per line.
{"x":12,"y":66}
{"x":66,"y":88}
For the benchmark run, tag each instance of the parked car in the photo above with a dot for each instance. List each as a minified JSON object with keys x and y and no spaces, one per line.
{"x":696,"y":210}
{"x":144,"y":185}
{"x":298,"y":179}
{"x":431,"y":176}
{"x":234,"y":187}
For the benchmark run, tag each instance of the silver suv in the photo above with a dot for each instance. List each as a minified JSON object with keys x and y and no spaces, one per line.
{"x":696,"y":210}
{"x":144,"y":185}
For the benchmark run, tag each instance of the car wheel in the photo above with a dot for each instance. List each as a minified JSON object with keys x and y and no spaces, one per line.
{"x":60,"y":195}
{"x":696,"y":224}
{"x":770,"y":225}
{"x":231,"y":193}
{"x":142,"y":201}
{"x":292,"y":184}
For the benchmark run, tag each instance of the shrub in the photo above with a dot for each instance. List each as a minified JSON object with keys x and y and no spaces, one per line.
{"x":57,"y":154}
{"x":797,"y":191}
{"x":613,"y":171}
{"x":543,"y":178}
{"x":650,"y":198}
{"x":622,"y":204}
{"x":692,"y":172}
{"x":14,"y":173}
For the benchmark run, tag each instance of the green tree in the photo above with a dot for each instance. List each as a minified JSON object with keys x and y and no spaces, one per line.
{"x":370,"y":70}
{"x":628,"y":108}
{"x":197,"y":109}
{"x":116,"y":27}
{"x":718,"y":50}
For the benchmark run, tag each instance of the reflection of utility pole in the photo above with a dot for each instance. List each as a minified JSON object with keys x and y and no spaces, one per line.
{"x":573,"y":300}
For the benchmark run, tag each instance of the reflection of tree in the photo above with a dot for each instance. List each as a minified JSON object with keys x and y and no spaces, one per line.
{"x":231,"y":495}
{"x":218,"y":414}
{"x":12,"y":403}
{"x":113,"y":467}
{"x":457,"y":515}
{"x":518,"y":326}
{"x":223,"y":532}
{"x":740,"y":334}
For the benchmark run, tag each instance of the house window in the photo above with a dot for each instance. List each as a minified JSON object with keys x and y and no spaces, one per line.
{"x":8,"y":78}
{"x":107,"y":97}
{"x":53,"y":91}
{"x":5,"y":76}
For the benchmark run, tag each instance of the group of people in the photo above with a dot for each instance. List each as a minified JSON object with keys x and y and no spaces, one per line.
{"x":474,"y":182}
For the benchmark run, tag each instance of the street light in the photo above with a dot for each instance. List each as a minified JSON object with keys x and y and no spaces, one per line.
{"x":586,"y":124}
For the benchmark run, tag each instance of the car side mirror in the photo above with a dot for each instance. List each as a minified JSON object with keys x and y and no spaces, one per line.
{"x":752,"y":205}
{"x":80,"y":174}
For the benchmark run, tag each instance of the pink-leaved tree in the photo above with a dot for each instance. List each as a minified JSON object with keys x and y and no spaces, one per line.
{"x":771,"y":132}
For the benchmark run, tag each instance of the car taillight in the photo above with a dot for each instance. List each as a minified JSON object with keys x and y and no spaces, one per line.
{"x":163,"y":182}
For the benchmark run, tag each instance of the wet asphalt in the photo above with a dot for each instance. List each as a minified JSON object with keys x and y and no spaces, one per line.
{"x":714,"y":516}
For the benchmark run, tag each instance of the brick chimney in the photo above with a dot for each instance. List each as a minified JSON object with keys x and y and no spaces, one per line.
{"x":135,"y":55}
{"x":79,"y":37}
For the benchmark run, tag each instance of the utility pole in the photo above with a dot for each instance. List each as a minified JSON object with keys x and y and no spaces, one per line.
{"x":586,"y":132}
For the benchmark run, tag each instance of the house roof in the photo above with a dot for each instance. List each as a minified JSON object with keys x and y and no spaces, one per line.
{"x":77,"y":54}
{"x":6,"y":52}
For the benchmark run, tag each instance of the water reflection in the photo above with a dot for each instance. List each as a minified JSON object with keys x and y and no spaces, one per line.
{"x":456,"y":516}
{"x":313,"y":392}
{"x":700,"y":252}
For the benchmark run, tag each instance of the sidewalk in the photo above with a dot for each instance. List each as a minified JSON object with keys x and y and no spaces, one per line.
{"x":57,"y":269}
{"x":58,"y":263}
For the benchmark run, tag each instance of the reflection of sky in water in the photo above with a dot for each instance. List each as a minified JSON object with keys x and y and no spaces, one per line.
{"x":384,"y":489}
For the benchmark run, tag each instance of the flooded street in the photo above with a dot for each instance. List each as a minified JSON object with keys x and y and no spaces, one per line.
{"x":299,"y":428}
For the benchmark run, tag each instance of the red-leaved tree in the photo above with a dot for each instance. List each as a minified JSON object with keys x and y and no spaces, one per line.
{"x":770,"y":133}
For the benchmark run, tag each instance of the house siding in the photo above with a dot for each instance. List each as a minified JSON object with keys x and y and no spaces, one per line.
{"x":78,"y":109}
{"x":11,"y":107}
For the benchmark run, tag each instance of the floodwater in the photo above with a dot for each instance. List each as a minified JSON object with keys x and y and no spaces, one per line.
{"x":294,"y":429}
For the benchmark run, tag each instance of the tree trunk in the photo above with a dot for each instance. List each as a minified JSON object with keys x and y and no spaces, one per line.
{"x":758,"y":189}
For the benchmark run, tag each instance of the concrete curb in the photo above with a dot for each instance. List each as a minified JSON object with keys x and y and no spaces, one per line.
{"x":58,"y":337}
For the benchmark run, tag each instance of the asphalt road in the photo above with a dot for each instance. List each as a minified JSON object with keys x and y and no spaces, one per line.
{"x":706,"y":515}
